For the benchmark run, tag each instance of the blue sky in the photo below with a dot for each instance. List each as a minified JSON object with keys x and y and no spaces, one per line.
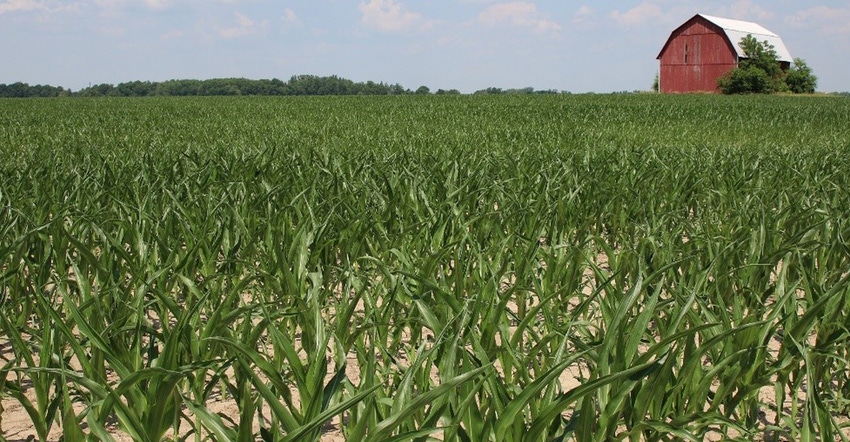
{"x":577,"y":46}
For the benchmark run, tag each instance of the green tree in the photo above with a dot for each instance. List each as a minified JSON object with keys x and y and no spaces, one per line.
{"x":758,"y":73}
{"x":135,"y":89}
{"x":800,"y":78}
{"x":761,"y":55}
{"x":746,"y":80}
{"x":98,"y":90}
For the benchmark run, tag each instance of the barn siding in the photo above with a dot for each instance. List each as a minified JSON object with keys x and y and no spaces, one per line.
{"x":694,"y":57}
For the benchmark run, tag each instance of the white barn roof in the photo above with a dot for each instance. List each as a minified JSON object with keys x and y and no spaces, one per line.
{"x":737,"y":29}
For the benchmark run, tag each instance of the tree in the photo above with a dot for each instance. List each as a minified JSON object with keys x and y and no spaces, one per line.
{"x":135,"y":89}
{"x":489,"y":91}
{"x":98,"y":90}
{"x":423,"y":90}
{"x":759,"y":73}
{"x":761,"y":55}
{"x":745,"y":80}
{"x":800,"y":78}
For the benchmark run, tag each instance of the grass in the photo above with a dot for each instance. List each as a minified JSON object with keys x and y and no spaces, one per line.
{"x":426,"y":267}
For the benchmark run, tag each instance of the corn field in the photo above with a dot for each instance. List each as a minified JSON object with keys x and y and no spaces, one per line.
{"x":457,"y":268}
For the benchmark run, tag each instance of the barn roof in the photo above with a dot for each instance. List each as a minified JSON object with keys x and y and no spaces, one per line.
{"x":735,"y":30}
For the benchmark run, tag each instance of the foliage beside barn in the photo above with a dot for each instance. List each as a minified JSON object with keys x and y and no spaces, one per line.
{"x":761,"y":72}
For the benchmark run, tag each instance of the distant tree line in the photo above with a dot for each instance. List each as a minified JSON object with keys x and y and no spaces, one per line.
{"x":522,"y":91}
{"x":23,"y":90}
{"x":297,"y":85}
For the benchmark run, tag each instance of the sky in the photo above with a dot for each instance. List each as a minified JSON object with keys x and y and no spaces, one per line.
{"x":576,"y":46}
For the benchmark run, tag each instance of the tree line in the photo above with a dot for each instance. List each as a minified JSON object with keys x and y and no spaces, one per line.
{"x":297,"y":85}
{"x":23,"y":90}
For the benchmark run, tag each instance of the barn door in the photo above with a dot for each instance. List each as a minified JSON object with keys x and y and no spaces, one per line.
{"x":692,"y":59}
{"x":692,"y":53}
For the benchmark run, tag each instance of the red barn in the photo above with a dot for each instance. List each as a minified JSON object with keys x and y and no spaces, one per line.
{"x":704,"y":48}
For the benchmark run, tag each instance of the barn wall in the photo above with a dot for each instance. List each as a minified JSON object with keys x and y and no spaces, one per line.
{"x":694,"y":57}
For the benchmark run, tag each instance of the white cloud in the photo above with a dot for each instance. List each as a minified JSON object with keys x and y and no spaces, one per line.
{"x":583,"y":14}
{"x":244,"y":26}
{"x":835,"y":21}
{"x":653,"y":12}
{"x":641,"y":14}
{"x":244,"y":22}
{"x":20,"y":5}
{"x":289,"y":16}
{"x":390,"y":16}
{"x":521,"y":14}
{"x":108,"y":3}
{"x":38,"y":5}
{"x":746,"y":9}
{"x":157,"y":4}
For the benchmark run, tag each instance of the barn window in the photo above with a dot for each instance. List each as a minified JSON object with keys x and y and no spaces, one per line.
{"x":686,"y":53}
